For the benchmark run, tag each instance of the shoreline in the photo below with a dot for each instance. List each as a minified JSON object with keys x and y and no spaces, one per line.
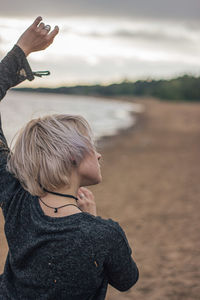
{"x":105,"y":120}
{"x":107,"y":140}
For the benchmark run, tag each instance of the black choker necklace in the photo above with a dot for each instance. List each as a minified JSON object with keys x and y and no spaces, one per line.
{"x":56,"y":208}
{"x":62,"y":195}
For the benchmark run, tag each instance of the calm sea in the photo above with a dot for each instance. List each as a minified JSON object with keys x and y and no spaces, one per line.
{"x":106,"y":117}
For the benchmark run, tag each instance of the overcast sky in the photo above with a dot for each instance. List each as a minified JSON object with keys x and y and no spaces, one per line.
{"x":101,"y":41}
{"x":141,"y":8}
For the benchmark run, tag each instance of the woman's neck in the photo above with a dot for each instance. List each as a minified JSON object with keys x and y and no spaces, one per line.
{"x":66,"y":190}
{"x":57,"y":201}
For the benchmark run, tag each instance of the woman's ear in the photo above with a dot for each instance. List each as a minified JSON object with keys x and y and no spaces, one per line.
{"x":73,"y":162}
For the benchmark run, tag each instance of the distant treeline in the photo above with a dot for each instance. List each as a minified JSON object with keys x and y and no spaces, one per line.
{"x":181,"y":88}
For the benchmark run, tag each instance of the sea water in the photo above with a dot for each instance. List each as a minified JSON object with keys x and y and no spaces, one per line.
{"x":106,"y":117}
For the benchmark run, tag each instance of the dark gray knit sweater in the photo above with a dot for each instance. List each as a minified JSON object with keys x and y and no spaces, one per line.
{"x":69,"y":258}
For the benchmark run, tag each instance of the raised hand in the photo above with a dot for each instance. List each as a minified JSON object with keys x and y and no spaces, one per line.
{"x":37,"y":37}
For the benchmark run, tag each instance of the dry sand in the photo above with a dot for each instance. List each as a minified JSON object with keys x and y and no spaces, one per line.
{"x":151,"y":176}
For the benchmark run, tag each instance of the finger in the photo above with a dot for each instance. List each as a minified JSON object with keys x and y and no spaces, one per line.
{"x":36,"y":22}
{"x":86,"y":190}
{"x":86,"y":195}
{"x":81,"y":199}
{"x":47,"y":27}
{"x":53,"y":33}
{"x":81,"y":194}
{"x":80,"y":190}
{"x":41,"y":26}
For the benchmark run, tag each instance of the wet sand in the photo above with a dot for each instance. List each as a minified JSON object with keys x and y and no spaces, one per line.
{"x":151,"y":176}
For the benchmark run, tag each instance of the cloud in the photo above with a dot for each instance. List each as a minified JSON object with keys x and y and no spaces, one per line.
{"x":171,"y":9}
{"x":142,"y":35}
{"x":164,"y":33}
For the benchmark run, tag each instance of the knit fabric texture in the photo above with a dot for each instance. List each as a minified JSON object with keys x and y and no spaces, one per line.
{"x":71,"y":258}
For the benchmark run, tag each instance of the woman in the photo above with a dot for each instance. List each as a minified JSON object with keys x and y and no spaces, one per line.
{"x":58,"y":247}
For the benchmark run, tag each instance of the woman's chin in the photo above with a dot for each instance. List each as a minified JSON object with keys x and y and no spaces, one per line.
{"x":92,"y":181}
{"x":98,"y":180}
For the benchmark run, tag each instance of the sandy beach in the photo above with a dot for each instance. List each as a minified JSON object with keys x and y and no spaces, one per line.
{"x":151,"y":176}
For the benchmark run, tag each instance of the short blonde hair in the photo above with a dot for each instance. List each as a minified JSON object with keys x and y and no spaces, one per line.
{"x":46,"y":150}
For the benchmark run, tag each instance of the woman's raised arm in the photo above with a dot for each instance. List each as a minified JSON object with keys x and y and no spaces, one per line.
{"x":14,"y":68}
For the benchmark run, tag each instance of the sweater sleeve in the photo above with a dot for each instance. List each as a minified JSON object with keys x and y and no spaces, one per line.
{"x":8,"y":183}
{"x":14,"y":68}
{"x":121,"y":269}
